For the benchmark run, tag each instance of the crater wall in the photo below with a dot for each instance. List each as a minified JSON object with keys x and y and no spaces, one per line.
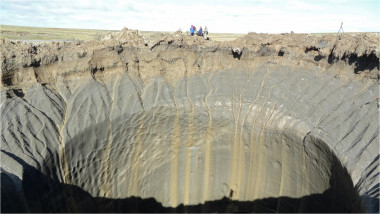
{"x":187,"y":121}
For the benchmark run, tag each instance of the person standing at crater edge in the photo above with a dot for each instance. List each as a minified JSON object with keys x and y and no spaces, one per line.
{"x":192,"y":30}
{"x":200,"y":32}
{"x":205,"y":33}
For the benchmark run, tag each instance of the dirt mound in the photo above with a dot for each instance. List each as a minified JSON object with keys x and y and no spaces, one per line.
{"x":359,"y":51}
{"x":336,"y":47}
{"x":126,"y":36}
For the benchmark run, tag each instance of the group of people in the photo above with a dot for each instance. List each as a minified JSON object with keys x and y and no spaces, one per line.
{"x":200,"y":32}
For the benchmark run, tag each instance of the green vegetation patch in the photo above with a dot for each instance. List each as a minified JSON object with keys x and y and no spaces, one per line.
{"x":65,"y":34}
{"x":38,"y":33}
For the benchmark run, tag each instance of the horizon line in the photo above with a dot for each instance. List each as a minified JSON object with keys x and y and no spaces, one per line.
{"x":163,"y":31}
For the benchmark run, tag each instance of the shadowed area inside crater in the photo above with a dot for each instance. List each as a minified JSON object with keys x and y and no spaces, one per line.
{"x":42,"y":194}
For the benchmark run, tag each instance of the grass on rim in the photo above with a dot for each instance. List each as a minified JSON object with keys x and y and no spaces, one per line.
{"x":66,"y":34}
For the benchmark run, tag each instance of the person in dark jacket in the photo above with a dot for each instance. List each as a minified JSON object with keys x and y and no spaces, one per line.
{"x":200,"y":32}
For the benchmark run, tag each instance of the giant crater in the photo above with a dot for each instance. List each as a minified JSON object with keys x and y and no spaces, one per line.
{"x":265,"y":123}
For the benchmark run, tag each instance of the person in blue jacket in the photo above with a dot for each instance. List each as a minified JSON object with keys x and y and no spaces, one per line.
{"x":192,"y":30}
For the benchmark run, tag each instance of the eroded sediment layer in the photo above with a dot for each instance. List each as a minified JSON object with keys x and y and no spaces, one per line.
{"x":187,"y":121}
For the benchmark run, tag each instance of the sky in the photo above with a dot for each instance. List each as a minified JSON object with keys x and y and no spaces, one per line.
{"x":220,"y":16}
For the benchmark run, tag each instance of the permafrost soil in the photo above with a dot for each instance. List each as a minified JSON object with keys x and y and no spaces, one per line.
{"x":286,"y":123}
